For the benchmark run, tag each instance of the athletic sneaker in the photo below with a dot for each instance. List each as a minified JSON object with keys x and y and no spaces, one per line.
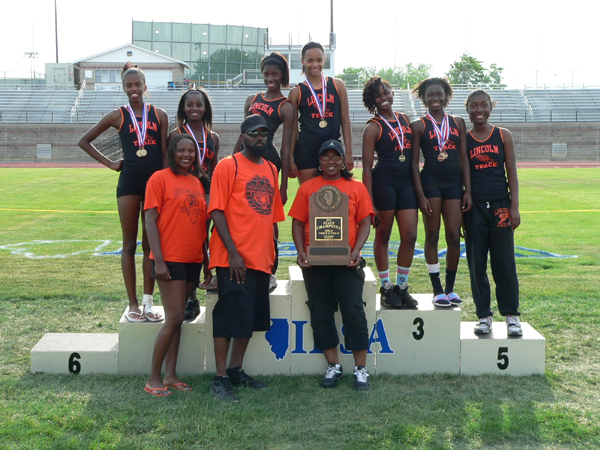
{"x":361,"y":378}
{"x":333,"y":374}
{"x":272,"y":283}
{"x":389,"y":297}
{"x":192,"y":309}
{"x":484,"y":326}
{"x":513,"y":326}
{"x":222,"y":390}
{"x":441,"y":300}
{"x":406,"y":299}
{"x":454,"y":299}
{"x":241,"y":378}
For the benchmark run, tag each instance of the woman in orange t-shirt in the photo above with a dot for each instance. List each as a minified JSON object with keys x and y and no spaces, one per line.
{"x":176,"y":226}
{"x":331,"y":286}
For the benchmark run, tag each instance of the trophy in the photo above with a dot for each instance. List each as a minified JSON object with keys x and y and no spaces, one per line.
{"x":328,"y":228}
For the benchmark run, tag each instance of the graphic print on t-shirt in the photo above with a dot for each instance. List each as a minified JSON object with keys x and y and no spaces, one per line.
{"x":191,"y":205}
{"x":260,"y":193}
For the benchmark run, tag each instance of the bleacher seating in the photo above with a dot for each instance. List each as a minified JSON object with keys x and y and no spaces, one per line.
{"x":512,"y":105}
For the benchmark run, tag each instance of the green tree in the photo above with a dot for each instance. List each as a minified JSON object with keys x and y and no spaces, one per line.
{"x":402,"y":77}
{"x":470,"y":71}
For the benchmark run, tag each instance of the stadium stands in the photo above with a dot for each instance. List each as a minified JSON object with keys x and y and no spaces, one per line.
{"x":512,"y":105}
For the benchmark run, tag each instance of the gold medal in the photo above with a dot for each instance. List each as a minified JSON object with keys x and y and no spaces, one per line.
{"x":141,"y":152}
{"x":402,"y":158}
{"x":441,"y":157}
{"x":445,"y":155}
{"x":323,"y":123}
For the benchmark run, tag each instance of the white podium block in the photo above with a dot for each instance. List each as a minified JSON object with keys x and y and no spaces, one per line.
{"x":499,"y":354}
{"x":77,"y":353}
{"x":421,"y":340}
{"x":136,"y":344}
{"x":305,"y":358}
{"x":268,"y":353}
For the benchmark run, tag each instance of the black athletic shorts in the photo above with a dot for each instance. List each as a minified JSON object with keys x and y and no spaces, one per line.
{"x":241,"y":308}
{"x":446,"y":188}
{"x":190,"y":272}
{"x":306,"y":157}
{"x":132,"y":185}
{"x":392,"y":193}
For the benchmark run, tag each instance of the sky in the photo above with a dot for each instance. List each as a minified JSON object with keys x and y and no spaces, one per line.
{"x":535,"y":43}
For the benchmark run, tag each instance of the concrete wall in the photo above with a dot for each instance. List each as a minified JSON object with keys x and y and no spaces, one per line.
{"x":533,"y":141}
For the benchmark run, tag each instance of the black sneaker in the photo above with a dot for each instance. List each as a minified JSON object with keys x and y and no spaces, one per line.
{"x":333,"y":374}
{"x":405,"y":297}
{"x":222,"y":390}
{"x":389,"y":298}
{"x":241,"y":378}
{"x":361,"y":378}
{"x":192,"y":309}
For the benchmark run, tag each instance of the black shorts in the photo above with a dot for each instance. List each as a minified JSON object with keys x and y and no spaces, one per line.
{"x":446,"y":188}
{"x":190,"y":272}
{"x":205,"y":181}
{"x":306,"y":157}
{"x":393,"y":193}
{"x":132,"y":185}
{"x":241,"y":308}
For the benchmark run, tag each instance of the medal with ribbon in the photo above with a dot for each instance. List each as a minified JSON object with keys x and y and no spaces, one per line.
{"x":399,"y":137}
{"x":201,"y":153}
{"x":442,"y":135}
{"x":321,"y":107}
{"x":141,"y":133}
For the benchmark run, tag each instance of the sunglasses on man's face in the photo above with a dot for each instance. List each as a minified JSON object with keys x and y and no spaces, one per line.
{"x":256,"y":133}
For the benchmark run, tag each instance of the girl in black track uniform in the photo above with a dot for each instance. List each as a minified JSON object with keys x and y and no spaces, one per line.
{"x":143,"y":130}
{"x":321,"y":108}
{"x":490,"y":224}
{"x":442,"y":139}
{"x":391,"y":188}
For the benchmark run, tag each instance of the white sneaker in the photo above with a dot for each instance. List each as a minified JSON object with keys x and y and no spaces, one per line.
{"x":272,"y":283}
{"x":361,"y":378}
{"x":513,"y":326}
{"x":484,"y":326}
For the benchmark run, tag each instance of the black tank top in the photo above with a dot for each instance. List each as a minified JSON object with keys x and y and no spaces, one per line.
{"x":270,"y":110}
{"x":210,"y":147}
{"x":450,"y":167}
{"x":132,"y":164}
{"x":311,"y":134}
{"x":388,"y":149}
{"x":486,"y":161}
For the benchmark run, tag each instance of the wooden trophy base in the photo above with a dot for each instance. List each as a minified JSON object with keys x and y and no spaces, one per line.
{"x":328,"y":256}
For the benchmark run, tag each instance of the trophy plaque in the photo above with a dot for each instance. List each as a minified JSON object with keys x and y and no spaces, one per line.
{"x":328,"y":228}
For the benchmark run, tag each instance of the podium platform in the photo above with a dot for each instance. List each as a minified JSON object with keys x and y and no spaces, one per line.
{"x":421,"y":340}
{"x":425,"y":339}
{"x":499,"y":354}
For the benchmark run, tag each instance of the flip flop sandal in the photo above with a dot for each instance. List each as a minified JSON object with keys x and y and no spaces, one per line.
{"x":158,"y":392}
{"x":179,"y":386}
{"x":135,"y":317}
{"x":151,"y":314}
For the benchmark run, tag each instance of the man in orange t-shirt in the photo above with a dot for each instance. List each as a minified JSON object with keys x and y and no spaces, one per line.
{"x":244,"y":205}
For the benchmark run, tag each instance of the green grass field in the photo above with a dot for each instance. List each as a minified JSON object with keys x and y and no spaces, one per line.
{"x":54,"y":223}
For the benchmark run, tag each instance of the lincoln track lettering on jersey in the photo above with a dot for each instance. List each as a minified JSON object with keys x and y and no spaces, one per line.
{"x":262,"y":107}
{"x":330,"y":99}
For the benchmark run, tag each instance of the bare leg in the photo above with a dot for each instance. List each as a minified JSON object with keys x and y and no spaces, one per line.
{"x":382,"y":239}
{"x":360,"y":358}
{"x":306,"y":174}
{"x":167,"y":340}
{"x":146,"y":262}
{"x":129,"y":212}
{"x":432,"y":230}
{"x":237,"y":352}
{"x":407,"y":220}
{"x":331,"y":355}
{"x":452,"y":214}
{"x":221,"y":351}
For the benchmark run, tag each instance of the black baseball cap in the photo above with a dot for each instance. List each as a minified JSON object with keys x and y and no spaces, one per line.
{"x":333,"y":145}
{"x":254,"y":122}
